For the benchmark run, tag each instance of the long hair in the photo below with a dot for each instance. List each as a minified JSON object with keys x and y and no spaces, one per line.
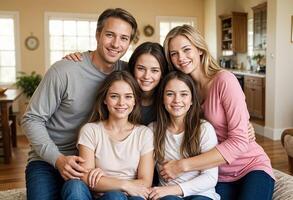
{"x":190,"y":144}
{"x":210,"y":65}
{"x":120,"y":14}
{"x":101,"y":112}
{"x":154,"y":49}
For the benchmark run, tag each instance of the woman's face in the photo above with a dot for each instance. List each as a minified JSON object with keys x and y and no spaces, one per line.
{"x":147,"y":72}
{"x":184,"y":55}
{"x":120,"y":100}
{"x":177,"y":98}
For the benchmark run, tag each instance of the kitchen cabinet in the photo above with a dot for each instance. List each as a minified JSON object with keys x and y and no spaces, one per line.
{"x":234,"y":32}
{"x":260,"y":26}
{"x":254,"y":89}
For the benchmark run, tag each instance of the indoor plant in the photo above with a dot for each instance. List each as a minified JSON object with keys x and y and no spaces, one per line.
{"x":28,"y":82}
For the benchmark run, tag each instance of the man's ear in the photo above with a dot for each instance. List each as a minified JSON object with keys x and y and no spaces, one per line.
{"x":98,"y":34}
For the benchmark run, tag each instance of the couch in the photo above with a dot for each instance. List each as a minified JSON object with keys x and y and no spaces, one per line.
{"x":283,"y":189}
{"x":287,"y":142}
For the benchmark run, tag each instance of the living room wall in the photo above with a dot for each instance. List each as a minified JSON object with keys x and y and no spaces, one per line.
{"x":31,"y":18}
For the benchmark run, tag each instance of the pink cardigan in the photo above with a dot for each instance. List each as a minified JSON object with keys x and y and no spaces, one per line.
{"x":225,"y":108}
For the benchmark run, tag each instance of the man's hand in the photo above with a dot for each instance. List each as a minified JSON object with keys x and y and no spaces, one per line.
{"x":170,"y":169}
{"x":69,"y":167}
{"x":134,"y":189}
{"x":76,"y":57}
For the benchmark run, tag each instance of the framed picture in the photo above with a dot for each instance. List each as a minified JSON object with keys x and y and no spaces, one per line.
{"x":292,"y":28}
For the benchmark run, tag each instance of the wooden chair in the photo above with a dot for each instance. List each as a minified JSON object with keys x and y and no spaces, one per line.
{"x":287,"y":142}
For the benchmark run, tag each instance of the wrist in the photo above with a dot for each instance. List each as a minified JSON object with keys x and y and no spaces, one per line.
{"x":124,"y":185}
{"x":183,"y":165}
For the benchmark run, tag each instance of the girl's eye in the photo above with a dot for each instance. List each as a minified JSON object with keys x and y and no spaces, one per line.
{"x":114,"y":96}
{"x":172,"y":54}
{"x":169,"y":94}
{"x":129,"y":96}
{"x":139,"y":68}
{"x":184,"y":94}
{"x":187,"y":49}
{"x":155,"y":71}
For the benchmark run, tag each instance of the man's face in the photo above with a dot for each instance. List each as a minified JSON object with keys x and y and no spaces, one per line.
{"x":114,"y":40}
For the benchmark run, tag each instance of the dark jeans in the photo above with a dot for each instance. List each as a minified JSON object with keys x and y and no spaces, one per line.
{"x":44,"y":182}
{"x":256,"y":185}
{"x":191,"y":197}
{"x":118,"y":195}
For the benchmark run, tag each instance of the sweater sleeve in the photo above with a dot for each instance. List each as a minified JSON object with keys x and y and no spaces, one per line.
{"x":208,"y":178}
{"x":42,"y":106}
{"x":237,"y":118}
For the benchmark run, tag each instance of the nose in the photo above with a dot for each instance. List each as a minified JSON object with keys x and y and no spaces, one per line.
{"x":176,"y":98}
{"x":181,"y":56}
{"x":115,"y":42}
{"x":146,"y":74}
{"x":121,"y":101}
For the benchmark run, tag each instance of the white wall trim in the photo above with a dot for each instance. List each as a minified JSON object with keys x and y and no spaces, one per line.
{"x":273,"y":134}
{"x":64,"y":16}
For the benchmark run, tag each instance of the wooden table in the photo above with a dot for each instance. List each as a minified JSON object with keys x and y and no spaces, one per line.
{"x":6,"y":101}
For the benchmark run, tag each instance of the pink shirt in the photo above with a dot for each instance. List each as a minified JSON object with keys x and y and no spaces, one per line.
{"x":225,"y":108}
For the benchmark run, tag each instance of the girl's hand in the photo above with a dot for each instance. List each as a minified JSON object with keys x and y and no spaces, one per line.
{"x":159,"y":192}
{"x":170,"y":170}
{"x":134,"y":189}
{"x":94,"y":176}
{"x":251,"y":132}
{"x":76,"y":57}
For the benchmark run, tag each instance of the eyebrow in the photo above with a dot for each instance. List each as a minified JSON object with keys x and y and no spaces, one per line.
{"x":179,"y":91}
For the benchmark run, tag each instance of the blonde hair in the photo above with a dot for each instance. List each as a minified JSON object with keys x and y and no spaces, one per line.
{"x":210,"y":66}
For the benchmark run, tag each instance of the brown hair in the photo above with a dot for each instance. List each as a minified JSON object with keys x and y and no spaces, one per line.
{"x":120,"y":14}
{"x":190,"y":144}
{"x":210,"y":65}
{"x":101,"y":111}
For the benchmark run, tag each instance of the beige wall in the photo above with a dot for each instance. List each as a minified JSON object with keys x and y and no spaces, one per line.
{"x":31,"y":16}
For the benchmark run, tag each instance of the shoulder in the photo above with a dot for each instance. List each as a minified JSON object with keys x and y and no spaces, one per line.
{"x":144,"y":131}
{"x":207,"y":130}
{"x":91,"y":127}
{"x":224,"y":76}
{"x":121,"y":65}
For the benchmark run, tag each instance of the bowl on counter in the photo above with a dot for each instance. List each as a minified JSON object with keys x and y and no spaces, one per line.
{"x":2,"y":90}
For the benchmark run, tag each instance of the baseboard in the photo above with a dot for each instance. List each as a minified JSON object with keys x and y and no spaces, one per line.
{"x":273,"y":134}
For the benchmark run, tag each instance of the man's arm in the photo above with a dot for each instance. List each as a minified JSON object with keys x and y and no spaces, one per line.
{"x":42,"y":106}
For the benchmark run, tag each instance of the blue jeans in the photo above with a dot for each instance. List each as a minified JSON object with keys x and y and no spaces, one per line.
{"x":191,"y":197}
{"x":44,"y":182}
{"x":256,"y":185}
{"x":118,"y":195}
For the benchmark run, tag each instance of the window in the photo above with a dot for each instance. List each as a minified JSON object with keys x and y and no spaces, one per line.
{"x":9,"y":47}
{"x":68,"y":33}
{"x":166,"y":23}
{"x":250,"y":37}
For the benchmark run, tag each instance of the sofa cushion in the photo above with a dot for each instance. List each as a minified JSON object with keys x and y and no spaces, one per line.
{"x":283,"y":186}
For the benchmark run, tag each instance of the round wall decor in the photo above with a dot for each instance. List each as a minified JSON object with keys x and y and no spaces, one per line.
{"x":31,"y":42}
{"x":148,"y":30}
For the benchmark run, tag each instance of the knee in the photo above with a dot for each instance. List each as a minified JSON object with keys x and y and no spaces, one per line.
{"x":114,"y":195}
{"x":170,"y":197}
{"x":75,"y":189}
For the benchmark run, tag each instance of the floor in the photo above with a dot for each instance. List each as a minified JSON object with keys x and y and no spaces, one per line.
{"x":12,"y":175}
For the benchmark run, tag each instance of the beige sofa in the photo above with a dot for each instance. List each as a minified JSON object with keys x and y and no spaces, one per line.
{"x":283,"y":189}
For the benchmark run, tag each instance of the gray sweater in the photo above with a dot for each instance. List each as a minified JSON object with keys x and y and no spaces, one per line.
{"x":62,"y":103}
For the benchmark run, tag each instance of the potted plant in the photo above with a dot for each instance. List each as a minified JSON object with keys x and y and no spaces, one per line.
{"x":28,"y":82}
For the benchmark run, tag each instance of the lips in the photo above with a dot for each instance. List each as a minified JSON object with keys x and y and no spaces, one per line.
{"x":121,"y":109}
{"x":113,"y":52}
{"x":184,"y":64}
{"x":146,"y":83}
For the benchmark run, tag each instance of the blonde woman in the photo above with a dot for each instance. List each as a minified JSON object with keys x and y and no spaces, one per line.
{"x":245,"y":171}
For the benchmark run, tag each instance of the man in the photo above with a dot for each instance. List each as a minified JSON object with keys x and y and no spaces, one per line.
{"x":63,"y":102}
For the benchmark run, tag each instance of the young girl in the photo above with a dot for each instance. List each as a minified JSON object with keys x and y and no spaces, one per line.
{"x":147,"y":65}
{"x":245,"y":171}
{"x":180,"y":133}
{"x":116,"y":144}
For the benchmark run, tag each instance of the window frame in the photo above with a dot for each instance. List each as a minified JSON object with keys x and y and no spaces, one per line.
{"x":61,"y":16}
{"x":15,"y":16}
{"x":172,"y":19}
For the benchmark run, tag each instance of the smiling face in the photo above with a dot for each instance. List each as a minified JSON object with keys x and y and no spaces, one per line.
{"x":113,"y":40}
{"x":177,"y":98}
{"x":147,"y":72}
{"x":184,"y":55}
{"x":120,"y":100}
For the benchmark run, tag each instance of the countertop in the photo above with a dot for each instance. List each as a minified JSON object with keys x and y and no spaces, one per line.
{"x":247,"y":73}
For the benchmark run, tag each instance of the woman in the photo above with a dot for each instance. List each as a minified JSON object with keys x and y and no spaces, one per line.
{"x":116,"y":144}
{"x":245,"y":171}
{"x":148,"y":65}
{"x":180,"y":133}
